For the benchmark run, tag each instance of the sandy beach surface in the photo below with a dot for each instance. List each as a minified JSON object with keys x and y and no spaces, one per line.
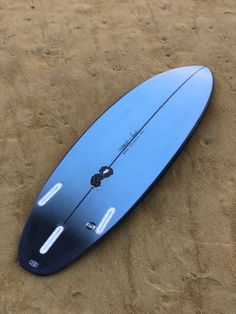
{"x":62,"y":63}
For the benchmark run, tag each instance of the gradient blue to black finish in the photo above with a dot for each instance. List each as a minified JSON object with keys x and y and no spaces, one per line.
{"x":138,"y":137}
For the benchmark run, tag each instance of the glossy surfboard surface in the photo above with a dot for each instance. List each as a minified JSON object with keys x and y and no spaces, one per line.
{"x":112,"y":165}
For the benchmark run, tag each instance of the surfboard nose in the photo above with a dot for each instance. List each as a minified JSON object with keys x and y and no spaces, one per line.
{"x":211,"y":75}
{"x":207,"y":72}
{"x":207,"y":79}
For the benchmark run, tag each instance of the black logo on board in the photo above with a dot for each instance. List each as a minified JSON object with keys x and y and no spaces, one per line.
{"x":104,"y":172}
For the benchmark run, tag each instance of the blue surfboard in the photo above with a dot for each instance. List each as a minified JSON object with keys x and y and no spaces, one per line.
{"x":112,"y":165}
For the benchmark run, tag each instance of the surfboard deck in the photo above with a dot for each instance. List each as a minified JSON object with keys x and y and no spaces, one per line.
{"x":112,"y":165}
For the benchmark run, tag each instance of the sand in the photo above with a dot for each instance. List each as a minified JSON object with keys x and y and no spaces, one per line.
{"x":62,"y":63}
